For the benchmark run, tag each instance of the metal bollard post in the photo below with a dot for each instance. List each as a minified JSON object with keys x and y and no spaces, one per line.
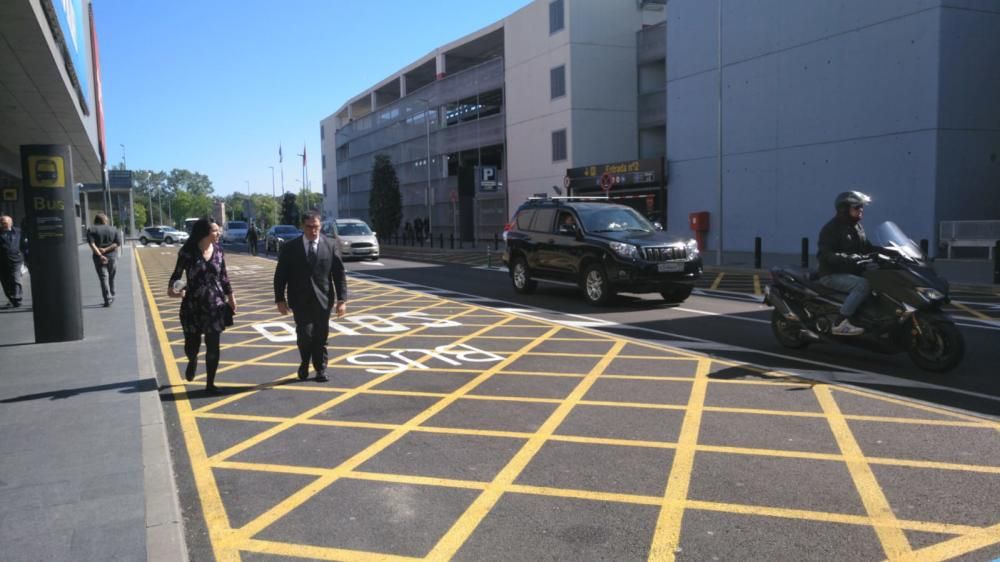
{"x":996,"y":262}
{"x":489,"y":258}
{"x":496,"y":242}
{"x":925,"y":247}
{"x":756,"y":252}
{"x":441,"y":240}
{"x":451,"y":240}
{"x":805,"y":253}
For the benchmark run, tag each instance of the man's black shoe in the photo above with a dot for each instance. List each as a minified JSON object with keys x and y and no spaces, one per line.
{"x":321,"y":376}
{"x":303,"y":371}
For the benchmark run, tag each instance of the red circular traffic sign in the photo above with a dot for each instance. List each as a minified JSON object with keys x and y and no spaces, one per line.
{"x":606,"y":181}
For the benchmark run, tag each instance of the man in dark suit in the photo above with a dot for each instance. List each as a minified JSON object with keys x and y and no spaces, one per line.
{"x":105,"y":240}
{"x":313,"y":274}
{"x":12,"y":246}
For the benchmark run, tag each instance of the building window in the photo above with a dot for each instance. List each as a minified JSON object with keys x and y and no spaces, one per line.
{"x":324,"y":161}
{"x":322,"y":134}
{"x":559,"y":145}
{"x":555,"y":16}
{"x":557,"y":82}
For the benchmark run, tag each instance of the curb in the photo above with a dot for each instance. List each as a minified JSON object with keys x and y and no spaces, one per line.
{"x":164,"y":523}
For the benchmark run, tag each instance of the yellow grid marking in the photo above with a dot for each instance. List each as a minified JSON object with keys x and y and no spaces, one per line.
{"x":718,"y":279}
{"x":460,"y":531}
{"x":970,"y":542}
{"x":893,"y":540}
{"x":666,"y":538}
{"x":971,"y":310}
{"x":756,"y":285}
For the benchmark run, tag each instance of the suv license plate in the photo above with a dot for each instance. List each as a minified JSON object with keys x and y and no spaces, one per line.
{"x":670,"y":266}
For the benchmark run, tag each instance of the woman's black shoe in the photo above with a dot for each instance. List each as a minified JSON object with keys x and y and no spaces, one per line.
{"x":189,"y":373}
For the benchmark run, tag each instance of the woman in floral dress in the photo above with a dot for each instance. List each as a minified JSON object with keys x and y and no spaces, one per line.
{"x":207,"y":301}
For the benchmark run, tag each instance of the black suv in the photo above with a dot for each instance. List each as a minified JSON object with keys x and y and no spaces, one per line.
{"x":602,"y":247}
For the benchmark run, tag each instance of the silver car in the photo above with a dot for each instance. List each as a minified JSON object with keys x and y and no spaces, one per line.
{"x":353,"y":237}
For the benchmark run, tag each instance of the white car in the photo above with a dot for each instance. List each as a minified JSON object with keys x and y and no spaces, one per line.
{"x":236,"y":231}
{"x":353,"y":237}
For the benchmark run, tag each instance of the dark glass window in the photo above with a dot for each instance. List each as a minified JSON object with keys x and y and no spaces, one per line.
{"x":322,"y":133}
{"x":557,"y":81}
{"x":543,"y":220}
{"x":555,"y":16}
{"x":524,"y":219}
{"x":559,"y":145}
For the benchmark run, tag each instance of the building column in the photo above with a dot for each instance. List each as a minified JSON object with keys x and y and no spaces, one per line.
{"x":372,"y":96}
{"x":402,"y":85}
{"x":440,"y":66}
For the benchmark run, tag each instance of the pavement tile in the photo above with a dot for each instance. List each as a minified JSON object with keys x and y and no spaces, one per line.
{"x":599,"y":468}
{"x":528,"y":527}
{"x":124,"y":540}
{"x":246,"y":494}
{"x":527,"y":386}
{"x":642,"y":424}
{"x":640,"y":391}
{"x":495,"y":415}
{"x":378,"y":408}
{"x":774,"y":482}
{"x":311,"y":445}
{"x":388,"y":518}
{"x":710,"y":535}
{"x":755,"y":431}
{"x":771,"y":396}
{"x":944,"y":496}
{"x":277,"y":402}
{"x":462,"y":457}
{"x":963,"y":445}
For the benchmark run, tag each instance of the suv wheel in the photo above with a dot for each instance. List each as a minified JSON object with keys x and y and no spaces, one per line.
{"x":523,"y":283}
{"x":168,"y":240}
{"x":143,"y":240}
{"x":596,"y":287}
{"x":676,"y":295}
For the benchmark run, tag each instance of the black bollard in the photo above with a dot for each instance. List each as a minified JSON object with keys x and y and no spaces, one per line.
{"x":996,"y":262}
{"x":496,"y":242}
{"x":805,"y":253}
{"x":756,"y":252}
{"x":925,"y":247}
{"x":451,"y":240}
{"x":441,"y":240}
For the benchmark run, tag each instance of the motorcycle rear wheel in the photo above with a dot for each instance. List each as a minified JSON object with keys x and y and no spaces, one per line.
{"x":940,"y":348}
{"x":787,"y":332}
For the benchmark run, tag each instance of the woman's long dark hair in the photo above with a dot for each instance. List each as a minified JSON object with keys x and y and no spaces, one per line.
{"x":201,"y":228}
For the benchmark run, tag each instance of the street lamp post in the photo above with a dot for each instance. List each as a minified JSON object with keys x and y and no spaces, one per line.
{"x":427,"y":143}
{"x":274,"y":196}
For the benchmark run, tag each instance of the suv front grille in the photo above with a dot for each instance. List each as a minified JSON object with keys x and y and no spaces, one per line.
{"x":664,"y":253}
{"x":361,"y":245}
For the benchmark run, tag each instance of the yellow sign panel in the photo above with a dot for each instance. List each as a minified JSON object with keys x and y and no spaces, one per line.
{"x":10,"y":194}
{"x":46,"y":171}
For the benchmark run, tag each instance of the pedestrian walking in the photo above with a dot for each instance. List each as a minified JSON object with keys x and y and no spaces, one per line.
{"x":252,"y":237}
{"x":105,"y":240}
{"x":13,"y":246}
{"x":311,"y":273}
{"x":207,"y":300}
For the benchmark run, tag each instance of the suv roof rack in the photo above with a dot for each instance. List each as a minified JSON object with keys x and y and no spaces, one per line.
{"x":570,"y":198}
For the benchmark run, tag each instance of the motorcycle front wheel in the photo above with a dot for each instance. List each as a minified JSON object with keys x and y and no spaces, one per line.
{"x":787,"y":332}
{"x":939,"y":347}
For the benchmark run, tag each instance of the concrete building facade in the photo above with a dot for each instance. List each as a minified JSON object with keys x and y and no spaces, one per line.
{"x":896,"y":98}
{"x":553,"y":86}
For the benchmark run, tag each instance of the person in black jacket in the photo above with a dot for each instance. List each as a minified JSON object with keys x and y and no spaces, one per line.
{"x":252,"y":238}
{"x":843,"y":253}
{"x":105,"y":240}
{"x":12,"y":251}
{"x":311,"y":271}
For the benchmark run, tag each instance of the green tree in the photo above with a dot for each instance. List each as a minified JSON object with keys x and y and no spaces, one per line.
{"x":385,"y":202}
{"x":289,"y":209}
{"x":267,"y":209}
{"x":310,"y":201}
{"x":140,"y":214}
{"x":191,"y":182}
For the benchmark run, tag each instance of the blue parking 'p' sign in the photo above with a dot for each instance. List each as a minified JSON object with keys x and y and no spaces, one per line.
{"x":488,"y":178}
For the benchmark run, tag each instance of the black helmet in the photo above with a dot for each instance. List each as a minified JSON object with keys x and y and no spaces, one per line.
{"x":851,"y":198}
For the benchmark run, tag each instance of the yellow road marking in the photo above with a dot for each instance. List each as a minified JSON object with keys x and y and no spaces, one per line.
{"x":718,"y":279}
{"x":971,"y":310}
{"x":893,"y":540}
{"x":666,"y":538}
{"x":319,"y":552}
{"x":756,"y":285}
{"x":970,"y":542}
{"x":460,"y":531}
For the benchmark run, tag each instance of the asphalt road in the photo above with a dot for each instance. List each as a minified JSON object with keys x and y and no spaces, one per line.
{"x":738,"y":329}
{"x":462,"y":422}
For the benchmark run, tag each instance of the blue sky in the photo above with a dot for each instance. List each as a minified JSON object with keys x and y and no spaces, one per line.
{"x":214,"y":86}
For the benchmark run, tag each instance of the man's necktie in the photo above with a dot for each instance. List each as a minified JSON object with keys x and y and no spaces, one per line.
{"x":312,"y":253}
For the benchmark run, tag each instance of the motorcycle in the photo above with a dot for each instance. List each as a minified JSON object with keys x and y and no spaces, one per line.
{"x":903,"y":312}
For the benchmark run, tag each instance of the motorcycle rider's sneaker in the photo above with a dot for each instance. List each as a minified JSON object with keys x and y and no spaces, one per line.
{"x":845,"y":328}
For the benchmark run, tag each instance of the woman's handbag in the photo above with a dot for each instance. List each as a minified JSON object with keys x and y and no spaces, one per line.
{"x":228,"y":315}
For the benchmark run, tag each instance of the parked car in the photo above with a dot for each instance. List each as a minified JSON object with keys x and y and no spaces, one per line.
{"x":354,"y":238}
{"x":602,"y":247}
{"x":235,"y":231}
{"x":162,"y":235}
{"x":278,"y":235}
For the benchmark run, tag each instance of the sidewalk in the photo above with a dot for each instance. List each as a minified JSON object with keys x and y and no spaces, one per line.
{"x":85,"y":471}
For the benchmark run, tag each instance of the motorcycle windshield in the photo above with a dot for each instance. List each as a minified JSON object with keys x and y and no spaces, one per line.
{"x":888,"y":235}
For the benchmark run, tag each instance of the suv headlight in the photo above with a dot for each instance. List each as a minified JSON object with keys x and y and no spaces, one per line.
{"x":625,"y":250}
{"x":930,"y":294}
{"x":692,"y":249}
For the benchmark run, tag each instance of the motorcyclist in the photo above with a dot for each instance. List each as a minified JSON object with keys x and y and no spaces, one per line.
{"x":843,"y":255}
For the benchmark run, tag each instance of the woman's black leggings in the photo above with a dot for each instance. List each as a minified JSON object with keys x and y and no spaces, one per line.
{"x":192,"y":344}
